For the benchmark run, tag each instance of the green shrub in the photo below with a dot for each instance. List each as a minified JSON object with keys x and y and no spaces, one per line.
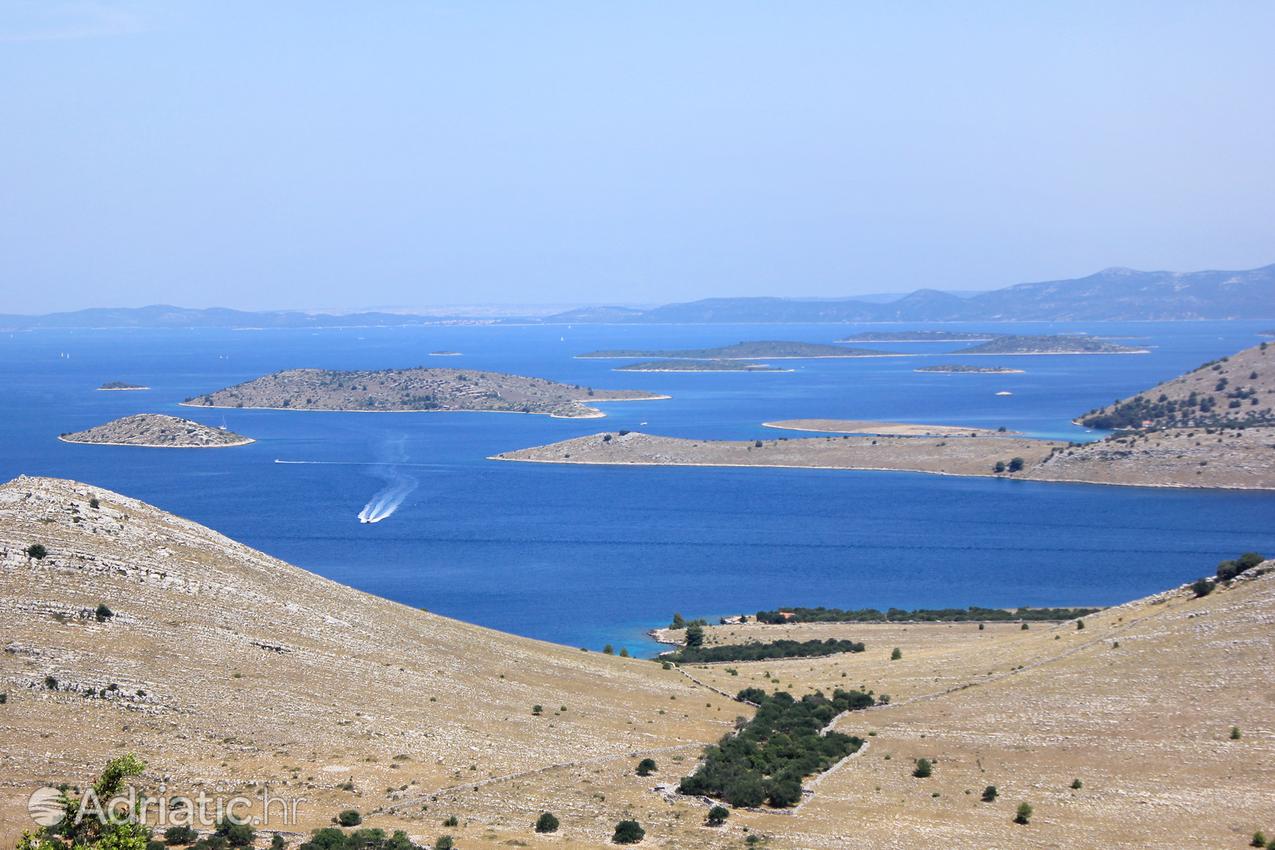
{"x":452,"y":820}
{"x":546,"y":823}
{"x":1016,"y":464}
{"x":989,"y":794}
{"x":444,"y":842}
{"x":102,"y":613}
{"x":1202,"y":587}
{"x":277,"y":842}
{"x":896,"y":654}
{"x":1023,"y":814}
{"x":1235,"y":733}
{"x":1259,"y":839}
{"x":180,"y":835}
{"x":923,"y":769}
{"x":717,"y":816}
{"x":37,"y":551}
{"x":236,"y":834}
{"x":646,"y":767}
{"x":349,"y":817}
{"x":1076,"y":784}
{"x":628,"y":832}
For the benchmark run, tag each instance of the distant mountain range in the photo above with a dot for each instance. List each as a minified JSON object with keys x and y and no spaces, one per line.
{"x":1110,"y":295}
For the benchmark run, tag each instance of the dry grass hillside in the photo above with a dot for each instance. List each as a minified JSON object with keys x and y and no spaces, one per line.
{"x":222,"y":666}
{"x":231,"y":668}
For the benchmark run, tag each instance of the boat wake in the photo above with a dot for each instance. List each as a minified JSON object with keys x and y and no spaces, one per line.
{"x":398,"y":485}
{"x":387,"y":499}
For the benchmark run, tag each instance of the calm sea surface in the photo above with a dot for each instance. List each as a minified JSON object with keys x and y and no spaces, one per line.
{"x":590,"y":555}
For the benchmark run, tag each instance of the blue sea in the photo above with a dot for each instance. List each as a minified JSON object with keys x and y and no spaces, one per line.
{"x":591,"y":555}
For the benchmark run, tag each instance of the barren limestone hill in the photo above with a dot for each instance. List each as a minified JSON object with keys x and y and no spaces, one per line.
{"x":1237,"y":391}
{"x":1138,"y":705}
{"x":156,"y":430}
{"x":221,"y":666}
{"x":129,"y":629}
{"x":419,"y":389}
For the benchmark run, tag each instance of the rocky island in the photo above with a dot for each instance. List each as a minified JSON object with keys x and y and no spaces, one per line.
{"x":965,"y":369}
{"x":418,"y":389}
{"x":1050,"y":344}
{"x":698,"y":366}
{"x":921,"y":336}
{"x":769,"y":349}
{"x":121,"y":386}
{"x":156,"y":430}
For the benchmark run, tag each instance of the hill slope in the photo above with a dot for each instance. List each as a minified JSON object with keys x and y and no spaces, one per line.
{"x":1235,"y":391}
{"x":222,"y":666}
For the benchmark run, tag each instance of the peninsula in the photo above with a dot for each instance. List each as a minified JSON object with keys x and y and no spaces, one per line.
{"x":157,"y":431}
{"x":769,"y":349}
{"x":412,"y":721}
{"x":121,"y":386}
{"x":698,"y":366}
{"x":418,"y":389}
{"x":1186,"y":437}
{"x":1050,"y":344}
{"x":965,"y":369}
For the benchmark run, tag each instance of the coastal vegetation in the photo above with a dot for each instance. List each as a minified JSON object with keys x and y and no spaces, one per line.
{"x":921,"y":336}
{"x":766,"y":760}
{"x":920,"y":615}
{"x":700,"y":654}
{"x":418,"y":389}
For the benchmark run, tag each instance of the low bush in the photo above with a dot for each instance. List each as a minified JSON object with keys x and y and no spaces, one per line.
{"x":717,"y":816}
{"x":349,"y":817}
{"x":646,"y":767}
{"x":628,"y":832}
{"x":176,"y":835}
{"x":546,"y":823}
{"x":923,"y":769}
{"x":1023,"y":814}
{"x":989,"y":794}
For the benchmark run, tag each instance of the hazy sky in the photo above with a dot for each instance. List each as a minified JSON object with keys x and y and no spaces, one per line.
{"x":325,"y":154}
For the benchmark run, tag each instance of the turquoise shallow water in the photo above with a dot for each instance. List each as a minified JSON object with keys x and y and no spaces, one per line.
{"x":589,"y":555}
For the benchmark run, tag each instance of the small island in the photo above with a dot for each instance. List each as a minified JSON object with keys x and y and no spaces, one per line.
{"x":1050,"y":344}
{"x":444,"y":354}
{"x":415,"y":390}
{"x":698,"y":366}
{"x":121,"y":386}
{"x":921,"y":336}
{"x":157,"y":431}
{"x":761,"y":349}
{"x":873,"y":428}
{"x":966,"y":369}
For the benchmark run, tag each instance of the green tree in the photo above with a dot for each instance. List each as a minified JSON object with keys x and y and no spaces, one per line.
{"x":695,"y":635}
{"x":1023,"y":814}
{"x":1016,"y":464}
{"x":236,"y":834}
{"x":277,"y":842}
{"x":87,"y":831}
{"x":989,"y":794}
{"x":646,"y":767}
{"x":349,"y":817}
{"x":717,"y":816}
{"x":999,"y":467}
{"x":180,"y":835}
{"x":546,"y":823}
{"x":628,"y":832}
{"x":923,"y":769}
{"x":1202,"y":587}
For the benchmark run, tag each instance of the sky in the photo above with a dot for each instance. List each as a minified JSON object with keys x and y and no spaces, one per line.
{"x":341,"y":155}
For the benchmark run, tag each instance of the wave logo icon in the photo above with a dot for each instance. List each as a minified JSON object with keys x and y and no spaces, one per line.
{"x":45,"y":806}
